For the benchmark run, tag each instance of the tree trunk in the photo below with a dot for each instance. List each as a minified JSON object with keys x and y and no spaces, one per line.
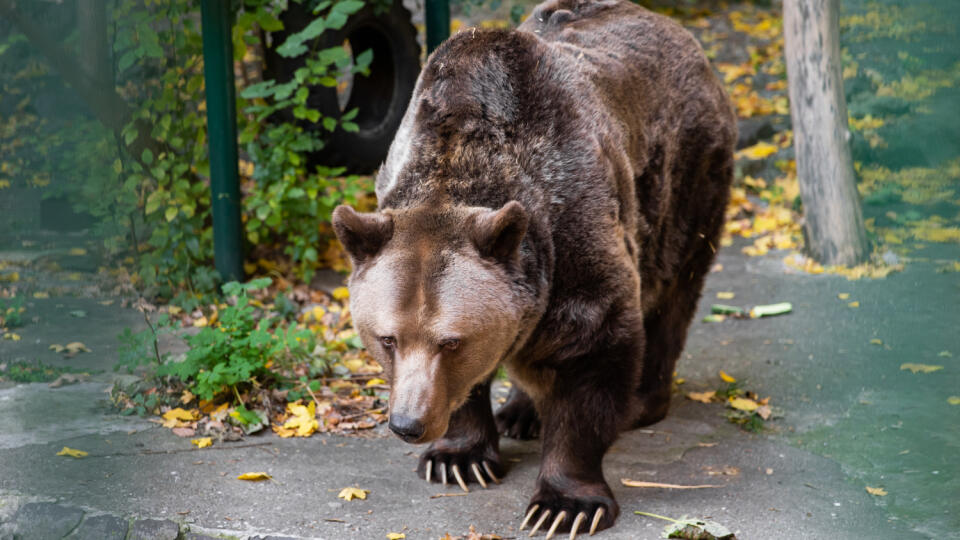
{"x":94,"y":53}
{"x":833,"y":225}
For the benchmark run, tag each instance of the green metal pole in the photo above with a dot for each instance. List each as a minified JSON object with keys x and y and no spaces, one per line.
{"x":438,"y":22}
{"x":216,"y":19}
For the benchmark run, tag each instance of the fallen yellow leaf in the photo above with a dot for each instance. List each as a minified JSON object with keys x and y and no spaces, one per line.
{"x":920,"y":368}
{"x":726,"y":378}
{"x":854,"y":304}
{"x":41,"y":295}
{"x":72,"y":452}
{"x":879,"y":492}
{"x":304,"y":421}
{"x":953,"y":400}
{"x":876,"y":341}
{"x":350,"y":493}
{"x":396,"y":536}
{"x":758,"y":151}
{"x":702,"y":397}
{"x":843,"y":295}
{"x":179,"y":417}
{"x":376,"y":381}
{"x":11,"y":336}
{"x":200,"y":323}
{"x":743,"y":404}
{"x":181,"y":414}
{"x":341,"y":293}
{"x":725,"y":295}
{"x":254,"y":476}
{"x":78,"y":251}
{"x":202,"y":442}
{"x":76,"y":347}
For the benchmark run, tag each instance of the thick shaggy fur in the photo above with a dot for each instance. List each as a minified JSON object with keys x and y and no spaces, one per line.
{"x":607,"y":125}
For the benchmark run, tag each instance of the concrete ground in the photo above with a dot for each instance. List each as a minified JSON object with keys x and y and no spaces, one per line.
{"x":851,"y":419}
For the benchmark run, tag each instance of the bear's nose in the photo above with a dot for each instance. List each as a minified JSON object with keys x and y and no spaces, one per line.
{"x":407,"y":428}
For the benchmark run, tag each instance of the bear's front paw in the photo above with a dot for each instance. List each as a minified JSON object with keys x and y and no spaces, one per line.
{"x":577,"y":508}
{"x":517,"y":418}
{"x":480,"y":464}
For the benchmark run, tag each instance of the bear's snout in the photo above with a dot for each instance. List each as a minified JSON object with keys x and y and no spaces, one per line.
{"x":409,"y":429}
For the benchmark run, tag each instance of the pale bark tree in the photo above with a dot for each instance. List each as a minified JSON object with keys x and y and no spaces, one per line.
{"x":833,"y":227}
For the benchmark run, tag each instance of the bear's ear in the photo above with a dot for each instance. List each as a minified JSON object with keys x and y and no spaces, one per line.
{"x":362,"y":235}
{"x":498,"y":233}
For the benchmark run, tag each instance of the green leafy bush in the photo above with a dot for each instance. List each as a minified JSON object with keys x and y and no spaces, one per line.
{"x":243,"y":346}
{"x":142,"y":166}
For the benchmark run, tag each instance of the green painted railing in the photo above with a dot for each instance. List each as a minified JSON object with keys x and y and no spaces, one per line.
{"x":216,"y":17}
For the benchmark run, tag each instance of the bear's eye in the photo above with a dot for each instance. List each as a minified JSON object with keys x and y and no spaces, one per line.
{"x":388,"y":342}
{"x":451,"y":344}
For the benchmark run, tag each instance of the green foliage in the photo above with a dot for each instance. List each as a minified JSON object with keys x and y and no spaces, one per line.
{"x":289,"y":200}
{"x":26,"y":372}
{"x":148,"y":183}
{"x":11,"y":312}
{"x":240,"y":348}
{"x":142,"y":348}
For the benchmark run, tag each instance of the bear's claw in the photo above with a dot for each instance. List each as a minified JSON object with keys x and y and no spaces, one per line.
{"x":478,"y":474}
{"x":561,"y":517}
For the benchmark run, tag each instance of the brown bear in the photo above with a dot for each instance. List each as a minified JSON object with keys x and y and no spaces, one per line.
{"x":551,"y":203}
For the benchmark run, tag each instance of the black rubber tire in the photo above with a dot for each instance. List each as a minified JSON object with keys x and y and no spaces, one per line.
{"x":381,"y":97}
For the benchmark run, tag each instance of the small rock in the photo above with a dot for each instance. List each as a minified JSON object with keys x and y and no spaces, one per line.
{"x":198,"y":536}
{"x":103,"y":527}
{"x":43,"y":521}
{"x":154,"y":529}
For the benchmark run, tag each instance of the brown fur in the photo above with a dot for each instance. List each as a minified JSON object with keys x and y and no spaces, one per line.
{"x":552,"y":203}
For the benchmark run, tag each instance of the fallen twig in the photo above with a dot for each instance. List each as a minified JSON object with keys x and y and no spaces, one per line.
{"x":439,"y":495}
{"x":641,"y":484}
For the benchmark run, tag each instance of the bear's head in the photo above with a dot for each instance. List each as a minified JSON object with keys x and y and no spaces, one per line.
{"x":434,"y":299}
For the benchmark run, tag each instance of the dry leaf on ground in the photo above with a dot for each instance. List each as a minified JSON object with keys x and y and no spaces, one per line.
{"x":69,"y":378}
{"x":743,"y":404}
{"x":254,"y":476}
{"x":879,"y":492}
{"x":350,"y":493}
{"x":179,"y":417}
{"x":302,"y":422}
{"x":919,"y":368}
{"x":202,"y":442}
{"x":758,"y":151}
{"x":726,"y":378}
{"x":702,"y":397}
{"x":72,"y":452}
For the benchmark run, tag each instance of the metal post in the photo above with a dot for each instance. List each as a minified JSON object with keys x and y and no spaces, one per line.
{"x":438,"y":22}
{"x":216,"y":20}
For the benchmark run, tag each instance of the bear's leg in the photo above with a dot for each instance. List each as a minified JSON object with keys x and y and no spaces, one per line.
{"x":470,"y":449}
{"x":665,"y":329}
{"x":581,"y":417}
{"x":517,"y":418}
